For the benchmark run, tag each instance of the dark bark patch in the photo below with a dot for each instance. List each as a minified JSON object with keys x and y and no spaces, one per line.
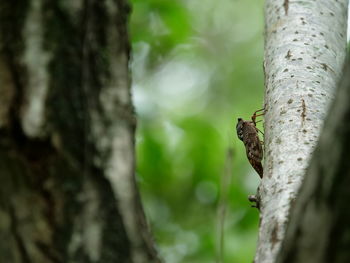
{"x":270,"y":167}
{"x":19,"y":240}
{"x":11,"y":50}
{"x":289,"y":55}
{"x":303,"y":112}
{"x":324,"y":66}
{"x":286,"y":6}
{"x":274,"y":235}
{"x":292,"y":201}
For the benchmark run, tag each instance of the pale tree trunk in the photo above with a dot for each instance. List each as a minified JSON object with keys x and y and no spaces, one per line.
{"x":319,"y":229}
{"x":304,"y":55}
{"x":68,"y":190}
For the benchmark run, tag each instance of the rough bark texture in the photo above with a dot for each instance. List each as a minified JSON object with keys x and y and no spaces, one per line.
{"x":319,"y":229}
{"x":67,"y":126}
{"x":304,"y":54}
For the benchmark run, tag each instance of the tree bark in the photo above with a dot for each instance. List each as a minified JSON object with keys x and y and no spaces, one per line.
{"x":67,"y":125}
{"x":319,"y":227}
{"x":304,"y":54}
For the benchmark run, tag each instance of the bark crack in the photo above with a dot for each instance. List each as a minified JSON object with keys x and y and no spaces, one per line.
{"x":303,"y":112}
{"x":325,"y":67}
{"x":17,"y":99}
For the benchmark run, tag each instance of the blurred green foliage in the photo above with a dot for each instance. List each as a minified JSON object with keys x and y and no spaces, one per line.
{"x":197,"y":67}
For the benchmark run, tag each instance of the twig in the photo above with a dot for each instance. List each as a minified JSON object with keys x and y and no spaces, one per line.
{"x":225,"y":182}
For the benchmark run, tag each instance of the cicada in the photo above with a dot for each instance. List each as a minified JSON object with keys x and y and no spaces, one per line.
{"x":248,"y":133}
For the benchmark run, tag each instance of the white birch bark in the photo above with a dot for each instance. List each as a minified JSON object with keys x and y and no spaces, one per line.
{"x":304,"y":55}
{"x":318,"y":228}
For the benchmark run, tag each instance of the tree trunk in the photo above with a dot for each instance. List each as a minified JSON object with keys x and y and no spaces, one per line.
{"x":304,"y":54}
{"x":319,"y":228}
{"x":67,"y":125}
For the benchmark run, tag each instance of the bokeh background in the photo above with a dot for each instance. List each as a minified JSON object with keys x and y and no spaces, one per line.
{"x":196,"y":68}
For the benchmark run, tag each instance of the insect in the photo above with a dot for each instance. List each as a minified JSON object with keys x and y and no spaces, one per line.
{"x":248,"y":133}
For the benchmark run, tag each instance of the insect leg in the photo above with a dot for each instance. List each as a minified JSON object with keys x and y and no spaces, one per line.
{"x":257,"y":115}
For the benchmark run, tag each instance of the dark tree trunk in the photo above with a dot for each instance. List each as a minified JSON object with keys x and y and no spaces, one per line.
{"x":67,"y":191}
{"x":319,"y":229}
